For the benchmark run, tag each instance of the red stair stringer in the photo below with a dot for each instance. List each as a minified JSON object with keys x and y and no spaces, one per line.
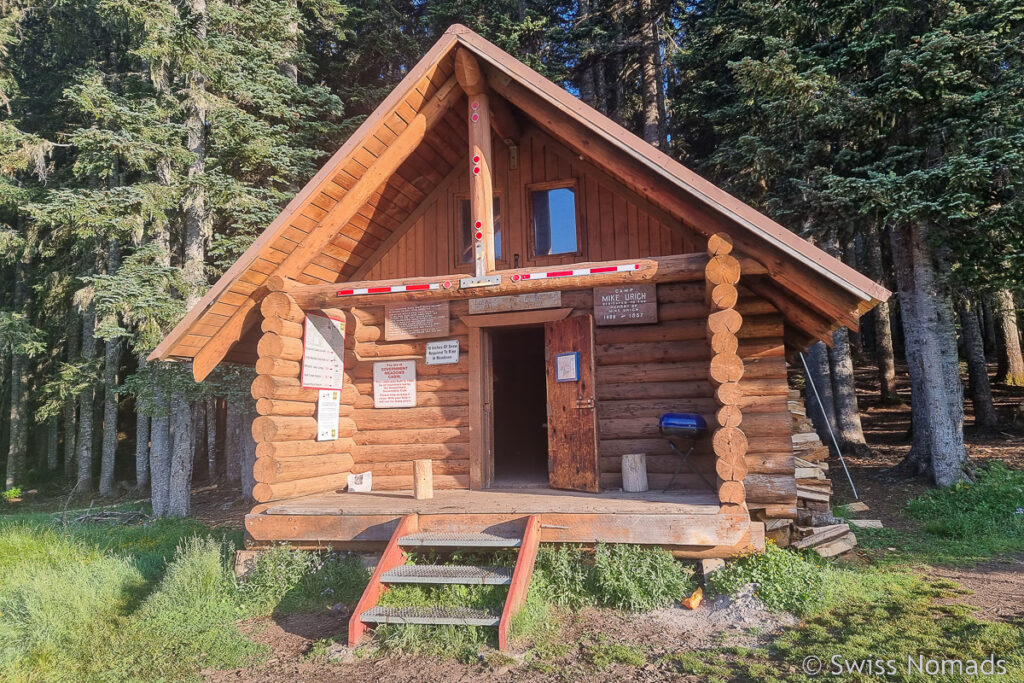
{"x":521,"y":576}
{"x":393,"y":557}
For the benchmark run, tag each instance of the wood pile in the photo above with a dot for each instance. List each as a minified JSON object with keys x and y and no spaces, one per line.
{"x":815,"y":527}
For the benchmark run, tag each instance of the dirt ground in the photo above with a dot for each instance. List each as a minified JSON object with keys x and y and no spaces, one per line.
{"x":742,"y":622}
{"x":995,"y":588}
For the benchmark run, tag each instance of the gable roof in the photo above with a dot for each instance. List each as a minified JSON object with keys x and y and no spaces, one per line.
{"x":313,"y":241}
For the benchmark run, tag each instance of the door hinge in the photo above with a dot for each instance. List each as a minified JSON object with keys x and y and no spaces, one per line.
{"x":585,"y":403}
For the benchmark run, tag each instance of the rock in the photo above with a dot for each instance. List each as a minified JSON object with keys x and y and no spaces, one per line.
{"x":340,"y":653}
{"x":709,"y":566}
{"x":340,"y":610}
{"x":245,"y":562}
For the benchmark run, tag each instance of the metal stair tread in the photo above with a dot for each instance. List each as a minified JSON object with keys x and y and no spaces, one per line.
{"x":458,"y":616}
{"x":460,"y":540}
{"x":432,"y":573}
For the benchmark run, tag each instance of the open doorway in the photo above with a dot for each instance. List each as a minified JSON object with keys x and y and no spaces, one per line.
{"x":519,"y":407}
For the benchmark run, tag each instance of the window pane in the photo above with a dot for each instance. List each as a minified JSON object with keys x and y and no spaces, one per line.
{"x":554,"y":221}
{"x":466,"y":217}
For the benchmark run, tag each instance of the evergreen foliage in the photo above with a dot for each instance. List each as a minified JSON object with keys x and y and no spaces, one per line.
{"x":842,"y":119}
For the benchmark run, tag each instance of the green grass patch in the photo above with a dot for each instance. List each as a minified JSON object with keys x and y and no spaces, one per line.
{"x":625,"y":577}
{"x":603,"y":654}
{"x":785,"y":580}
{"x":148,"y":602}
{"x":961,"y":525}
{"x":871,"y":615}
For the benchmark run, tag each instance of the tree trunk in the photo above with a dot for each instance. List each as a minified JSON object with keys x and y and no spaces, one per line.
{"x":930,"y":339}
{"x":290,"y":69}
{"x":844,"y":395}
{"x":233,"y":444}
{"x":977,"y":369}
{"x":195,"y":213}
{"x":52,"y":444}
{"x":821,"y":376}
{"x":247,"y":445}
{"x":210,"y":406}
{"x":648,"y":73}
{"x":71,"y":403}
{"x":17,"y":448}
{"x":112,"y":362}
{"x":142,"y":426}
{"x":83,"y":486}
{"x":988,"y":325}
{"x":182,"y":451}
{"x":160,"y":453}
{"x":1011,"y":364}
{"x":882,"y":322}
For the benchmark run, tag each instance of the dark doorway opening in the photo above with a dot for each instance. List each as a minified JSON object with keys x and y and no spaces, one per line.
{"x":519,"y":407}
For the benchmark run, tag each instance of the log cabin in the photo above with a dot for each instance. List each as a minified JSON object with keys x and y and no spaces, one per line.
{"x":494,"y":277}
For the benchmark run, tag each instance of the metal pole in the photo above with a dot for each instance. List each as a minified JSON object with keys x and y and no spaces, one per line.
{"x":828,"y":423}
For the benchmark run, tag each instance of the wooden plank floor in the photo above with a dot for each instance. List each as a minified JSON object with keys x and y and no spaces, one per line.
{"x":501,"y":501}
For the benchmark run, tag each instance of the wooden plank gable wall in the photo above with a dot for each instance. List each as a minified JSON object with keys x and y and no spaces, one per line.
{"x":614,"y":223}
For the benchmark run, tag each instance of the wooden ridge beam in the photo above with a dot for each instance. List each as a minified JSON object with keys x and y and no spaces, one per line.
{"x":340,"y":214}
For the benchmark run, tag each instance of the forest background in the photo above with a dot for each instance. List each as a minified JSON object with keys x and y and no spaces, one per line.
{"x":144,"y":144}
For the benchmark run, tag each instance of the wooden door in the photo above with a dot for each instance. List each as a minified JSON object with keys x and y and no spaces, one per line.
{"x":572,"y":410}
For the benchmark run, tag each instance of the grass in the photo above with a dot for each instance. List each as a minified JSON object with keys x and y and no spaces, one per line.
{"x":871,"y":615}
{"x":961,"y":525}
{"x":158,"y":601}
{"x":786,"y":581}
{"x":148,"y":602}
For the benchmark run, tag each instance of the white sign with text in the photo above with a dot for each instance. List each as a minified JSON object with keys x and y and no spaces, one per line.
{"x":394,"y":384}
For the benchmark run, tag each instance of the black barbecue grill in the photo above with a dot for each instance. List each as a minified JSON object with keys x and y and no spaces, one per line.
{"x":682,"y":431}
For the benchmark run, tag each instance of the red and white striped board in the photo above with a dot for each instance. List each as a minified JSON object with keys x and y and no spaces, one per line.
{"x":626,"y":267}
{"x":394,"y":289}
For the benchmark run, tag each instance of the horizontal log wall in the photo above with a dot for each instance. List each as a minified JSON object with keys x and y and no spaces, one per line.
{"x":644,"y":371}
{"x":290,"y":462}
{"x":387,"y":440}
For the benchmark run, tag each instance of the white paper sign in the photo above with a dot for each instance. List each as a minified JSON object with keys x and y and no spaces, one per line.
{"x":567,"y":367}
{"x":323,"y":352}
{"x":443,"y":352}
{"x":360,"y":483}
{"x":327,"y":409}
{"x":394,"y":384}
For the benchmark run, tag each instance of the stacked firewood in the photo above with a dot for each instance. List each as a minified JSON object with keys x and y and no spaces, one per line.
{"x":815,"y":526}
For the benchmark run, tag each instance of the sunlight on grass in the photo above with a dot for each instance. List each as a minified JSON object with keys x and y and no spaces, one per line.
{"x":147,"y":602}
{"x":961,"y":525}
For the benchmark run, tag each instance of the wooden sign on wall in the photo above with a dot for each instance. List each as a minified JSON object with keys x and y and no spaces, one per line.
{"x":625,"y":305}
{"x":516,"y":302}
{"x":416,"y":321}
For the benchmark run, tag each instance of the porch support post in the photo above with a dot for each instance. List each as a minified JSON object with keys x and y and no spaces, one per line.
{"x":729,"y":443}
{"x":481,"y":188}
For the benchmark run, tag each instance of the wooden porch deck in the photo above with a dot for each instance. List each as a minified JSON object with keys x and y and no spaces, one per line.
{"x":689,"y":522}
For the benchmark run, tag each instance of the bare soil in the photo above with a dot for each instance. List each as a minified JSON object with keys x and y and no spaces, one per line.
{"x":742,"y":621}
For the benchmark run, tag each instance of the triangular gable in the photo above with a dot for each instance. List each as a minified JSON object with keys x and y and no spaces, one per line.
{"x":350,"y":211}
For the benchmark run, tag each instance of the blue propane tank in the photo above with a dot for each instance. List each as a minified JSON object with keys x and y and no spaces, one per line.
{"x":682,"y":425}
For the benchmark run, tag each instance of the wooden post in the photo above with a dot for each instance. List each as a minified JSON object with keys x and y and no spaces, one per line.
{"x":725,"y":370}
{"x":634,"y":472}
{"x":423,"y":479}
{"x":481,"y":189}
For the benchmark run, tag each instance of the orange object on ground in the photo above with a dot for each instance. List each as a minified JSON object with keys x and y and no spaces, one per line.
{"x":694,"y":600}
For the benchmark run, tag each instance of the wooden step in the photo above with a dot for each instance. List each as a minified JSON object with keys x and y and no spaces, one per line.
{"x":436,"y":573}
{"x":456,"y":616}
{"x":454,"y":540}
